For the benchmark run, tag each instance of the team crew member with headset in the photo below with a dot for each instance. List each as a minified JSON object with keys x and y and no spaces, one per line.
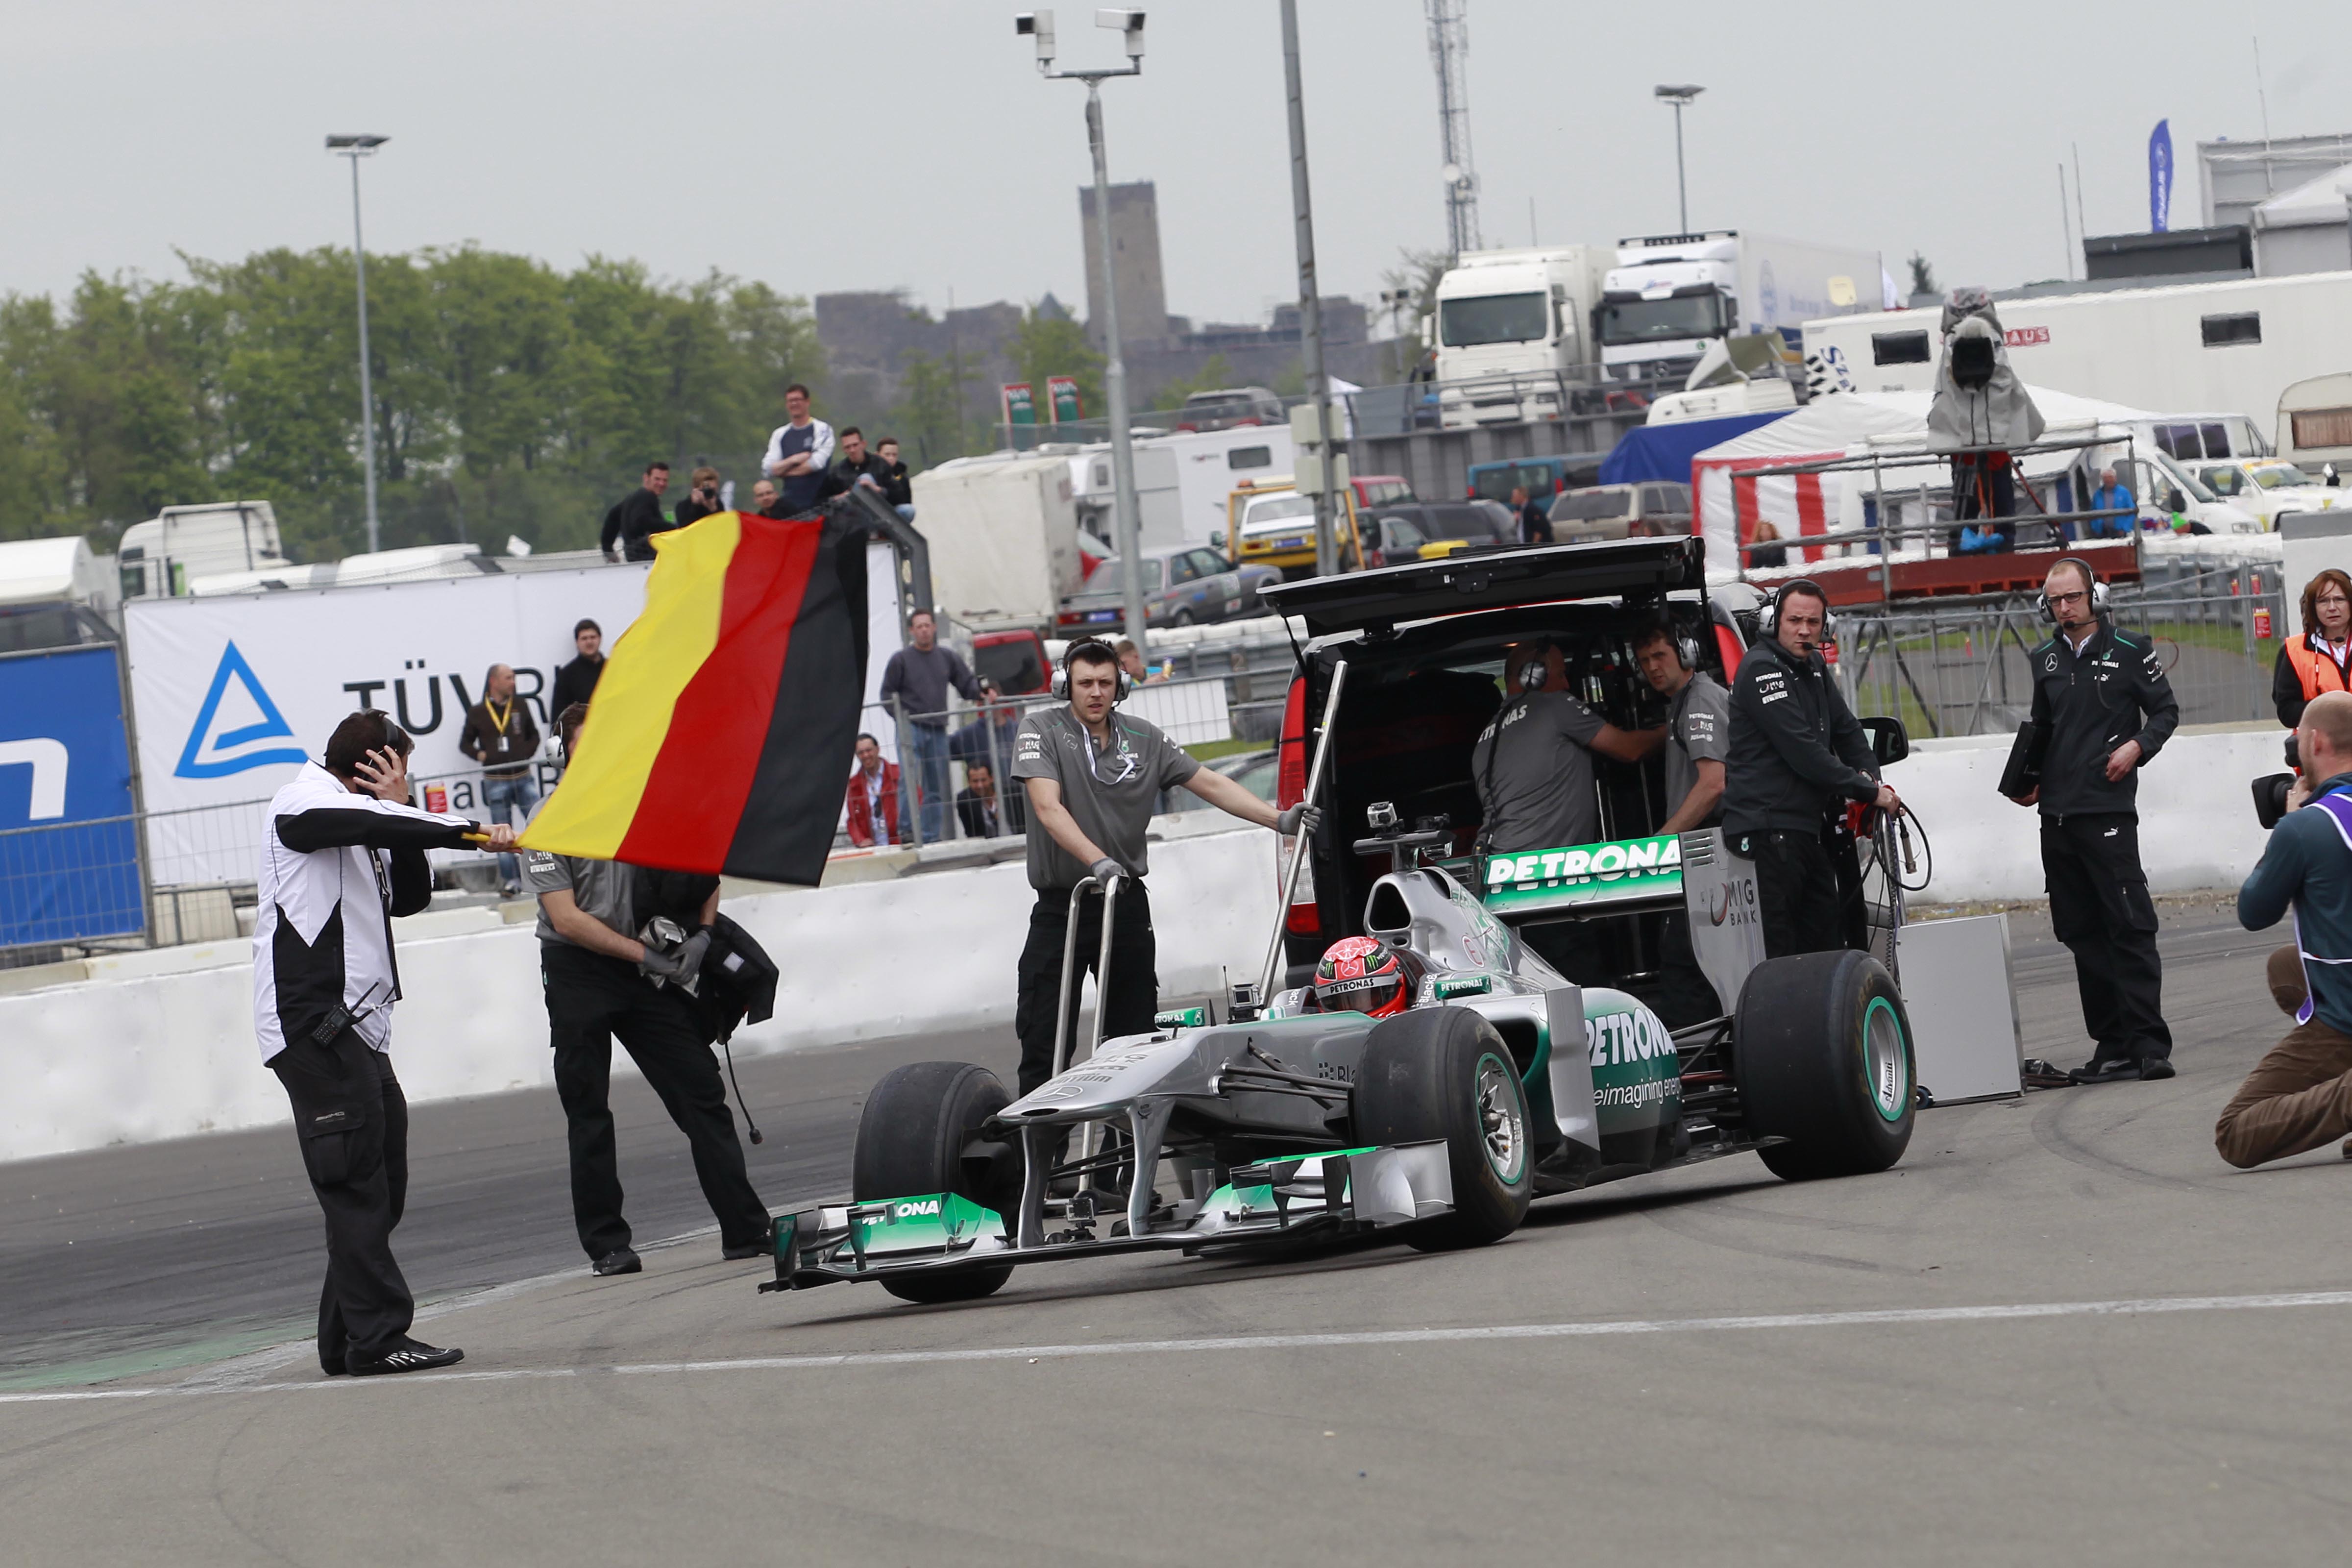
{"x":1797,"y":752}
{"x":2103,"y":709}
{"x":1533,"y":768}
{"x":2319,"y":658}
{"x":344,"y":853}
{"x":1698,"y":735}
{"x":1093,"y":778}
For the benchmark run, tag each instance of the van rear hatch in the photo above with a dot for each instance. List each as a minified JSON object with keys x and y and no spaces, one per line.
{"x":1388,"y":596}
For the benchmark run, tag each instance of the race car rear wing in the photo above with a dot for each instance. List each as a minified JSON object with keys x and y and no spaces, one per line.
{"x":1621,"y":875}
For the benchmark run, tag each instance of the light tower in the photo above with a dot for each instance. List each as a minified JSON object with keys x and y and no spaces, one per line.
{"x":1449,"y":51}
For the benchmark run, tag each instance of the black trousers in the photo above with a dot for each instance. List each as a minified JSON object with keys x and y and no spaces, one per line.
{"x":2100,"y":909}
{"x":1130,"y":999}
{"x":1797,"y":892}
{"x":352,"y":1122}
{"x":592,"y":998}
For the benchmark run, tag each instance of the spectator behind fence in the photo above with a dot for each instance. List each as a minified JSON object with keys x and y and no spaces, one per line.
{"x":984,"y":811}
{"x":2299,"y":1096}
{"x":576,"y":681}
{"x":1130,"y":659}
{"x":1765,"y":553}
{"x":2319,"y":657}
{"x":636,"y":517}
{"x":2110,"y":496}
{"x":916,"y":683}
{"x":701,"y":500}
{"x":899,"y":490}
{"x":989,"y":737}
{"x":871,"y":802}
{"x":500,"y":735}
{"x":1535,"y":523}
{"x":763,"y":497}
{"x":858,"y":466}
{"x":798,"y":453}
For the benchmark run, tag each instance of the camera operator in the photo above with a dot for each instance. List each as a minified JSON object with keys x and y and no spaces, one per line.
{"x":1797,"y":753}
{"x":2101,"y":708}
{"x":2299,"y":1096}
{"x":600,"y":979}
{"x":1534,"y":771}
{"x":1698,"y":734}
{"x":1093,"y":778}
{"x":2319,"y":658}
{"x":345,"y":852}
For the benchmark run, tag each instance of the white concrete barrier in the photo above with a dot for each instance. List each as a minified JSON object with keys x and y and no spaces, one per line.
{"x":2197,"y":826}
{"x":163,"y":1046}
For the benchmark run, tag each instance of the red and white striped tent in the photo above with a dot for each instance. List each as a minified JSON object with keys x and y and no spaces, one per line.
{"x":1796,"y":504}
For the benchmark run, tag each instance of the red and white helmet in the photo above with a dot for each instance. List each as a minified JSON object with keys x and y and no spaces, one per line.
{"x":1359,"y":974}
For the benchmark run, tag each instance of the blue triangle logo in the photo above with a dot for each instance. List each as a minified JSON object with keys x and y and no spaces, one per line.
{"x":270,"y":725}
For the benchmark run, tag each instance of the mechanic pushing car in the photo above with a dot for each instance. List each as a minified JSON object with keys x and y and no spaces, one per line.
{"x":1533,"y":768}
{"x":1093,"y":777}
{"x":1797,"y":752}
{"x":1698,"y":734}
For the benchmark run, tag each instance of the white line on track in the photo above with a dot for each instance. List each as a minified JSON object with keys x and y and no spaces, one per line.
{"x":2145,"y":1306}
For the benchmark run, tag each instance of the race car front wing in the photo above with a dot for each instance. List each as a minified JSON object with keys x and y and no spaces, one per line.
{"x":1335,"y":1193}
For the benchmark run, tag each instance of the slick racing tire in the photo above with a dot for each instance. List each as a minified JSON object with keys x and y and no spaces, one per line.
{"x":918,"y":1136}
{"x":1446,"y":1073}
{"x":1821,"y":1052}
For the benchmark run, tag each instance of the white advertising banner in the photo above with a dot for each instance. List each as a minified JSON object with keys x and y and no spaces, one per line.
{"x":229,"y":695}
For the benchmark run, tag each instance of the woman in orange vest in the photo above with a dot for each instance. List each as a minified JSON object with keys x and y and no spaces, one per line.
{"x":2320,"y":657}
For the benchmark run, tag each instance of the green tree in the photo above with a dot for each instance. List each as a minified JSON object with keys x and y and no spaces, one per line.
{"x":1043,"y":347}
{"x":1923,"y":275}
{"x":1212,"y":375}
{"x":928,"y":420}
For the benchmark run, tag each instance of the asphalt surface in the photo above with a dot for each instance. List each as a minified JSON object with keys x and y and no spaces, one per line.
{"x":2060,"y":1329}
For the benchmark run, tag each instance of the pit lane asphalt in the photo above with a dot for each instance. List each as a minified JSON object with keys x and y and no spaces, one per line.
{"x":1541,"y":1398}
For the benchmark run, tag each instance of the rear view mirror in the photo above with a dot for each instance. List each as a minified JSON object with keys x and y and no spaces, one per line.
{"x":1888,"y":741}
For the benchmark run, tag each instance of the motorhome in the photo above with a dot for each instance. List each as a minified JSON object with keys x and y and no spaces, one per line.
{"x":1181,"y":481}
{"x":2315,"y":424}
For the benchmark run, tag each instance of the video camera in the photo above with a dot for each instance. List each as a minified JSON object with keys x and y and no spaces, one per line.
{"x":2271,"y":790}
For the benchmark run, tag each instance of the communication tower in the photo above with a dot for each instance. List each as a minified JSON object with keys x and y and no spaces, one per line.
{"x":1449,"y":51}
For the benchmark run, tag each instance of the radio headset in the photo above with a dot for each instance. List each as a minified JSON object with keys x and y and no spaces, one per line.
{"x":1061,"y":685}
{"x":2098,"y":589}
{"x":1768,"y":615}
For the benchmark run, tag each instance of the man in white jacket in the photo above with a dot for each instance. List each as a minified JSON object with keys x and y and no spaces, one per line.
{"x":344,"y":853}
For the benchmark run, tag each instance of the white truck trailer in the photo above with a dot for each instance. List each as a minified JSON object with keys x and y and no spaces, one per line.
{"x":1003,"y":532}
{"x":1512,"y":329}
{"x":1181,"y":480}
{"x":2233,"y":346}
{"x":1671,"y":295}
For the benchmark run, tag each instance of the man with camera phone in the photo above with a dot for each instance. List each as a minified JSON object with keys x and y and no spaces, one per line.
{"x":2299,"y":1096}
{"x":2102,"y":710}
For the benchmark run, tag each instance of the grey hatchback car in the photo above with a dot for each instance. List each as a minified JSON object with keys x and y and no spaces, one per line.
{"x":1184,"y":585}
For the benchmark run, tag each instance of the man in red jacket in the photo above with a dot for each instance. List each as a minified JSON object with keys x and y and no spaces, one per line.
{"x":872,"y":799}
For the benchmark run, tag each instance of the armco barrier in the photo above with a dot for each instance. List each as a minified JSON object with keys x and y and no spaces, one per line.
{"x":142,"y":1055}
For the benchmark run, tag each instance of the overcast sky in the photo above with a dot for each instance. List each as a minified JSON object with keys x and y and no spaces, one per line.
{"x":839,"y":144}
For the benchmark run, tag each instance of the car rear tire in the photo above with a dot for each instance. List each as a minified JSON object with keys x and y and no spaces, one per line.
{"x":1822,"y":1050}
{"x":1182,"y":618}
{"x":915,"y":1137}
{"x":1446,"y":1073}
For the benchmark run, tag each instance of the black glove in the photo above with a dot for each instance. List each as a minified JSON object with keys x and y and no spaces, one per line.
{"x":1299,"y":818}
{"x":1104,"y":869}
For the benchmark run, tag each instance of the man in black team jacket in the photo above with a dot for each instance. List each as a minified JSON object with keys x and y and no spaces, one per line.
{"x":1796,"y":753}
{"x":343,"y":854}
{"x":2101,"y":708}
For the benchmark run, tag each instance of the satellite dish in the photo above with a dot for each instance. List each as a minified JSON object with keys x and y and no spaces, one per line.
{"x":1451,"y":173}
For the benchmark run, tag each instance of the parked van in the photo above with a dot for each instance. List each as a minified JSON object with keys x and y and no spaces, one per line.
{"x":1655,"y":508}
{"x":1541,"y":477}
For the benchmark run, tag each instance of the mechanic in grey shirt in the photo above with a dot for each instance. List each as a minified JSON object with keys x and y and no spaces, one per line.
{"x":1533,"y":770}
{"x":1698,"y":734}
{"x":1093,"y":777}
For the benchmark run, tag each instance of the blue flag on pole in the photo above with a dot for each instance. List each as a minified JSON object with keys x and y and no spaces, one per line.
{"x":2159,"y":177}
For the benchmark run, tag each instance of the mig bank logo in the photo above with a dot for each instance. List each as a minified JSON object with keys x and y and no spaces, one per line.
{"x":1767,"y":293}
{"x":236,"y":725}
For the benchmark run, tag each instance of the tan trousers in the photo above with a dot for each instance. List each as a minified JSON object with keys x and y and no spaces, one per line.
{"x":2299,"y":1096}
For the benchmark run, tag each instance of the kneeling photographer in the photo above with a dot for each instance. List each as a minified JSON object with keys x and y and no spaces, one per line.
{"x":2299,"y":1096}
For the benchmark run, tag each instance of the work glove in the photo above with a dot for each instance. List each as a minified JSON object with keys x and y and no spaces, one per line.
{"x":689,"y":961}
{"x":659,"y":965}
{"x":1300,"y":818}
{"x":1104,"y":869}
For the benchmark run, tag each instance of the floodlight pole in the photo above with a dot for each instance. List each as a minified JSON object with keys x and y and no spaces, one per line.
{"x":1126,"y":527}
{"x":1310,"y":303}
{"x":355,"y":148}
{"x":1680,"y":98}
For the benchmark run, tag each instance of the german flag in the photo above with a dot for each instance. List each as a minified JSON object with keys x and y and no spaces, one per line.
{"x":723,"y":723}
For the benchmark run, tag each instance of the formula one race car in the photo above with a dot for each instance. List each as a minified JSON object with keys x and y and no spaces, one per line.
{"x":1433,"y":1077}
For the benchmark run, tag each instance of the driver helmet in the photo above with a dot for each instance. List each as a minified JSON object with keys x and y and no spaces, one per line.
{"x":1359,"y":974}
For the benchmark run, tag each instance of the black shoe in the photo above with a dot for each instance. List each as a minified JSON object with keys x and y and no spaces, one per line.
{"x":620,"y":1260}
{"x":2154,"y":1068}
{"x":736,"y":1251}
{"x":413,"y":1355}
{"x":2113,"y":1070}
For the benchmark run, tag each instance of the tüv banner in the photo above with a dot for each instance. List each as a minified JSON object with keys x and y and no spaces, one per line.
{"x":230,"y":694}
